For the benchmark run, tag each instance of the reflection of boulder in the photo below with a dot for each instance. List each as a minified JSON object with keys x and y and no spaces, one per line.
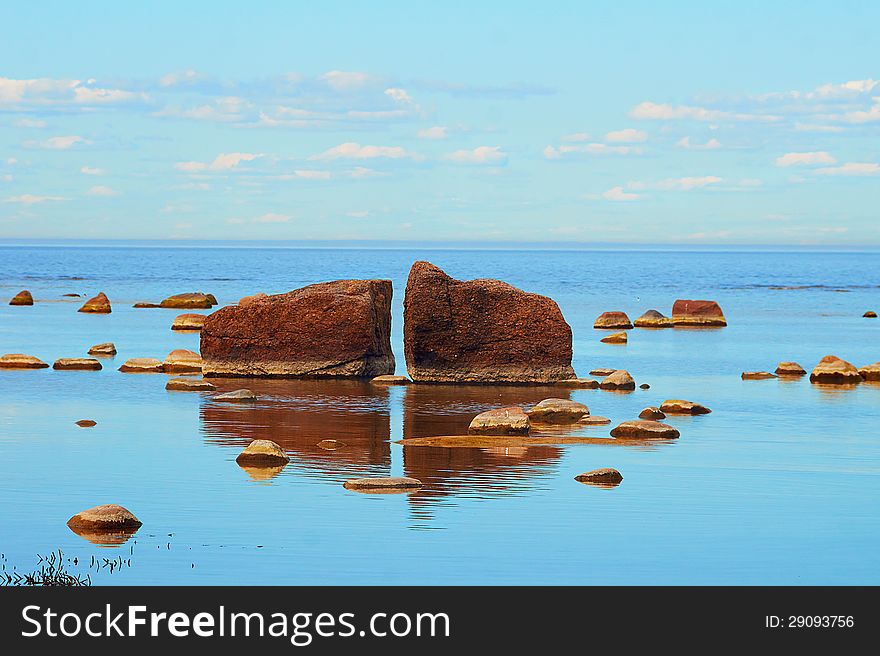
{"x":300,"y":414}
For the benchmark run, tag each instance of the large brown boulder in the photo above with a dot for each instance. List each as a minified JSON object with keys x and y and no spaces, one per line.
{"x":682,"y":407}
{"x":22,"y":298}
{"x":189,"y":300}
{"x":500,"y":421}
{"x":615,"y":338}
{"x":142,"y":366}
{"x":697,"y":313}
{"x":104,"y":518}
{"x":481,"y":331}
{"x":329,"y":330}
{"x":107,"y":349}
{"x":262,"y":453}
{"x":613,"y":320}
{"x":645,"y":429}
{"x":833,"y":370}
{"x":99,"y":304}
{"x":790,"y":369}
{"x":77,"y":364}
{"x":618,"y":380}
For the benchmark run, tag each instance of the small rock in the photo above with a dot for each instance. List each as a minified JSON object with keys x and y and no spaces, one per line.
{"x":576,"y":383}
{"x":188,"y":322}
{"x":616,"y":338}
{"x":182,"y":361}
{"x":109,"y":517}
{"x":189,"y":385}
{"x":653,"y":413}
{"x":653,"y":319}
{"x":106,"y":349}
{"x":86,"y":423}
{"x":71,"y":295}
{"x":870,"y":314}
{"x":262,"y":453}
{"x":22,"y":298}
{"x":613,"y":320}
{"x":594,"y":420}
{"x":870,"y":372}
{"x":391,"y":483}
{"x":21,"y":361}
{"x":605,"y":477}
{"x":757,"y":375}
{"x":189,"y":300}
{"x":390,"y":380}
{"x":680,"y":407}
{"x":212,"y":299}
{"x":99,"y":304}
{"x":644,"y":386}
{"x":697,"y":314}
{"x":142,"y":366}
{"x":602,"y":372}
{"x":557,"y":411}
{"x":144,"y":304}
{"x":790,"y":369}
{"x":645,"y":429}
{"x":618,"y":380}
{"x":330,"y":445}
{"x":77,"y":364}
{"x":238,"y":396}
{"x":833,"y":370}
{"x":500,"y":421}
{"x":253,"y":298}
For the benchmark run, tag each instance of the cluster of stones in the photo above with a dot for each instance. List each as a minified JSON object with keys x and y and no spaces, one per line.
{"x":514,"y":420}
{"x":688,"y":313}
{"x":831,"y":370}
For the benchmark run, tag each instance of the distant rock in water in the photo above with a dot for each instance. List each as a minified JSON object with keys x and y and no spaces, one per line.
{"x":605,"y":477}
{"x":870,"y":314}
{"x":262,"y":453}
{"x":21,"y":361}
{"x":22,"y":298}
{"x":832,"y":370}
{"x":594,"y":420}
{"x":613,"y":320}
{"x":790,"y":369}
{"x":110,"y":517}
{"x":99,"y":304}
{"x":253,"y":298}
{"x":652,"y":413}
{"x":212,"y":299}
{"x":145,"y":305}
{"x":390,"y":380}
{"x":697,"y":314}
{"x":238,"y":396}
{"x":578,"y":383}
{"x":618,"y":380}
{"x":71,"y":295}
{"x":681,"y":407}
{"x":870,"y":372}
{"x":182,"y":361}
{"x":382,"y":484}
{"x":188,"y":322}
{"x":189,"y":300}
{"x":757,"y":375}
{"x":500,"y":421}
{"x":106,"y":349}
{"x":86,"y":423}
{"x":645,"y":429}
{"x":653,"y":319}
{"x":142,"y":366}
{"x":77,"y":364}
{"x":616,"y":338}
{"x":557,"y":411}
{"x":644,"y":386}
{"x":481,"y":331}
{"x":189,"y":385}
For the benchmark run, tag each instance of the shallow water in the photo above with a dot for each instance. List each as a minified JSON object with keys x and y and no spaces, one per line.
{"x":780,"y":484}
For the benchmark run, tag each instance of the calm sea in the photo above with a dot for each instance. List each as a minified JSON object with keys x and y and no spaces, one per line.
{"x":779,"y":485}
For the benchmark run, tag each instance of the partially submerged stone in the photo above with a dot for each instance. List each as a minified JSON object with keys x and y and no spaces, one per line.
{"x":189,"y":385}
{"x":22,"y":298}
{"x":77,"y":364}
{"x":644,"y":386}
{"x":330,"y":445}
{"x":605,"y":477}
{"x":757,"y":375}
{"x":21,"y":361}
{"x":790,"y":369}
{"x":612,"y":320}
{"x":682,"y":407}
{"x":618,"y":380}
{"x":188,"y":322}
{"x":188,"y":300}
{"x":616,"y":338}
{"x":107,"y":349}
{"x":145,"y":305}
{"x":390,"y":380}
{"x":594,"y":420}
{"x":697,"y":314}
{"x":645,"y":429}
{"x":870,"y":372}
{"x":86,"y":423}
{"x":500,"y":421}
{"x":238,"y":396}
{"x":262,"y":453}
{"x":382,"y":484}
{"x":832,"y":370}
{"x":578,"y":383}
{"x":602,"y":372}
{"x":142,"y":366}
{"x":653,"y":413}
{"x":182,"y":361}
{"x":99,"y":304}
{"x":557,"y":411}
{"x":109,"y":517}
{"x":653,"y":319}
{"x":870,"y":314}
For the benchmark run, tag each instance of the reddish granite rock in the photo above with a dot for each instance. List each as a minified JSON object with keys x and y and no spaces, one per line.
{"x":653,"y":319}
{"x":99,"y":304}
{"x":21,"y":361}
{"x":329,"y":330}
{"x":557,"y":411}
{"x":870,"y":372}
{"x":22,"y":298}
{"x":833,"y":370}
{"x":142,"y":366}
{"x":107,"y":349}
{"x":391,"y":380}
{"x":757,"y":375}
{"x":189,"y":300}
{"x":86,"y":423}
{"x":618,"y":380}
{"x":615,"y":338}
{"x":602,"y":372}
{"x":681,"y":407}
{"x":605,"y":477}
{"x":188,"y":322}
{"x":653,"y":413}
{"x":481,"y":331}
{"x":613,"y":320}
{"x":790,"y":369}
{"x":145,"y":304}
{"x":109,"y":517}
{"x":500,"y":421}
{"x":643,"y":429}
{"x":182,"y":361}
{"x":253,"y":298}
{"x":77,"y":364}
{"x":870,"y":314}
{"x":584,"y":383}
{"x":697,"y":313}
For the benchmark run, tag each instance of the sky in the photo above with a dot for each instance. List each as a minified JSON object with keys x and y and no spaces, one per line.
{"x":480,"y":122}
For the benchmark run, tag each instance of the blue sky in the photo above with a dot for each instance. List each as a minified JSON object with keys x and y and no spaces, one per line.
{"x":735,"y":123}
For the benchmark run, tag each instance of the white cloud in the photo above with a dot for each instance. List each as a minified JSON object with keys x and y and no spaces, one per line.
{"x":676,"y":184}
{"x":360,"y":214}
{"x":346,"y":81}
{"x":31,"y":199}
{"x":554,"y":152}
{"x":629,"y":135}
{"x":685,"y":142}
{"x":188,"y":76}
{"x":576,"y":137}
{"x":436,"y":132}
{"x":228,"y":109}
{"x":665,"y":112}
{"x":479,"y":155}
{"x":51,"y":92}
{"x":352,"y":150}
{"x":618,"y":194}
{"x":272,"y":217}
{"x":814,"y":127}
{"x":29,"y":123}
{"x":805,"y":159}
{"x":102,"y":191}
{"x":851,"y":168}
{"x":223,"y":162}
{"x":90,"y":170}
{"x":57,"y":143}
{"x":306,"y":174}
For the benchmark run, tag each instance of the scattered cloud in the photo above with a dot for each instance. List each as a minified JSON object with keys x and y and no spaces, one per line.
{"x":272,"y":217}
{"x":619,"y":194}
{"x":102,"y":191}
{"x":31,"y":199}
{"x":347,"y":81}
{"x":687,"y":144}
{"x":676,"y":184}
{"x":480,"y":155}
{"x":353,"y":150}
{"x":223,"y":162}
{"x":629,"y":135}
{"x":576,"y":137}
{"x":436,"y":132}
{"x":851,"y":168}
{"x":664,"y":112}
{"x":90,"y":170}
{"x":557,"y":152}
{"x":57,"y":143}
{"x":813,"y":158}
{"x":49,"y":93}
{"x":29,"y":123}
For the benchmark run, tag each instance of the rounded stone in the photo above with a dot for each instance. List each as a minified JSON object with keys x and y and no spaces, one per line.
{"x":21,"y":361}
{"x":619,"y":380}
{"x":86,"y":423}
{"x":77,"y":364}
{"x":557,"y":411}
{"x":681,"y":407}
{"x":107,"y":349}
{"x":757,"y":375}
{"x":790,"y":369}
{"x":870,"y":314}
{"x":613,"y":320}
{"x":182,"y":361}
{"x":188,"y":322}
{"x":616,"y":338}
{"x":834,"y":371}
{"x":604,"y":477}
{"x":390,"y":483}
{"x":653,"y":319}
{"x":109,"y":517}
{"x":262,"y":453}
{"x":238,"y":396}
{"x":644,"y":386}
{"x":189,"y":385}
{"x":653,"y":413}
{"x":500,"y":421}
{"x":594,"y":420}
{"x":390,"y":380}
{"x":188,"y":300}
{"x":142,"y":366}
{"x":645,"y":429}
{"x":99,"y":304}
{"x":870,"y":372}
{"x":22,"y":298}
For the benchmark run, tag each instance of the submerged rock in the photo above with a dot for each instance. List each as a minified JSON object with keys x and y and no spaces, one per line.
{"x":22,"y":298}
{"x":86,"y":423}
{"x":594,"y":420}
{"x":757,"y":375}
{"x":330,"y":445}
{"x":618,"y":380}
{"x":142,"y":366}
{"x":77,"y":364}
{"x":834,"y":371}
{"x":188,"y":322}
{"x":557,"y":411}
{"x":653,"y":319}
{"x":108,"y":517}
{"x":602,"y":372}
{"x":870,"y":314}
{"x":500,"y":421}
{"x":697,"y":313}
{"x":653,"y":413}
{"x":182,"y":361}
{"x":481,"y":331}
{"x":870,"y":372}
{"x":106,"y":349}
{"x":238,"y":396}
{"x":390,"y":380}
{"x":379,"y":484}
{"x":262,"y":453}
{"x":790,"y":369}
{"x":578,"y":383}
{"x":644,"y":386}
{"x":339,"y":329}
{"x":145,"y":305}
{"x":21,"y":361}
{"x":189,"y":385}
{"x":644,"y":429}
{"x":605,"y":477}
{"x":99,"y":304}
{"x":616,"y":338}
{"x":188,"y":300}
{"x":681,"y":407}
{"x":613,"y":320}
